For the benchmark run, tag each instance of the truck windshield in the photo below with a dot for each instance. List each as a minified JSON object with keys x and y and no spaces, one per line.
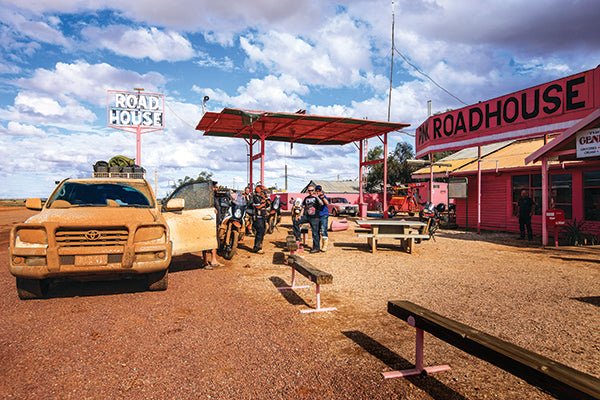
{"x":98,"y":195}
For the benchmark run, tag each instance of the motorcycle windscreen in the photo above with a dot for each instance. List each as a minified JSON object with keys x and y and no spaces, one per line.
{"x":192,"y":231}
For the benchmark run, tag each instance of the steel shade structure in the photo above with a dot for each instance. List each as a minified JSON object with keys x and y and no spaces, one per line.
{"x":259,"y":126}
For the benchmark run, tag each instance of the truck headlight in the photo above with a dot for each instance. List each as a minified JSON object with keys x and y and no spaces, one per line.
{"x":150,"y":234}
{"x":31,"y":237}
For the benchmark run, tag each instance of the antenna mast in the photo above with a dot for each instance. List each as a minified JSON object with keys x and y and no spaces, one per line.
{"x":391,"y":64}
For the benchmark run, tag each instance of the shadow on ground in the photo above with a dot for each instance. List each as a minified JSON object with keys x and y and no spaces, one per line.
{"x":430,"y":385}
{"x":70,"y":288}
{"x":593,"y":300}
{"x":289,"y":295}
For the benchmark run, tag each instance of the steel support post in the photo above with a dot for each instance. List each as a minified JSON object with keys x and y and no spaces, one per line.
{"x":251,"y":161}
{"x":419,"y":358}
{"x":138,"y":145}
{"x":544,"y":200}
{"x":478,"y":190}
{"x":431,"y":178}
{"x":360,"y":179}
{"x":262,"y":160}
{"x":385,"y":175}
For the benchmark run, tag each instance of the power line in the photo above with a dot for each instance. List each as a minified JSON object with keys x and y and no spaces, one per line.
{"x":427,"y":76}
{"x":178,"y":117}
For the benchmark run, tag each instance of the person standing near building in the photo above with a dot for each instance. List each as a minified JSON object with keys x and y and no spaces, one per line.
{"x":525,"y":211}
{"x":323,"y":217}
{"x":311,"y":207}
{"x":259,"y":203}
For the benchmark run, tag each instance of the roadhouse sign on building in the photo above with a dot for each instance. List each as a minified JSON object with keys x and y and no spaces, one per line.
{"x":132,"y":109}
{"x":547,"y":108}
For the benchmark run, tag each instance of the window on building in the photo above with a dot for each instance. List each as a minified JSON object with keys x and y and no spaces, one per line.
{"x":562,"y":193}
{"x":591,"y":195}
{"x":533,"y":185}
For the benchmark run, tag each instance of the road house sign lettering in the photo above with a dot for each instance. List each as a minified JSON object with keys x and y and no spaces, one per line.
{"x":547,"y":108}
{"x":132,"y":109}
{"x":588,"y":143}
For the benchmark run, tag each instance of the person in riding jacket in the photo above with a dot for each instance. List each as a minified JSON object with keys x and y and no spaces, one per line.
{"x":311,"y":207}
{"x":259,"y":203}
{"x":323,"y":217}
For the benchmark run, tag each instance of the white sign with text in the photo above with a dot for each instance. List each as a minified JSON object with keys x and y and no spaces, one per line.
{"x":588,"y":143}
{"x":130,"y":109}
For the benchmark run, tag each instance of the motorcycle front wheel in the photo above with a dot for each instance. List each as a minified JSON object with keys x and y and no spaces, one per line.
{"x":231,"y":245}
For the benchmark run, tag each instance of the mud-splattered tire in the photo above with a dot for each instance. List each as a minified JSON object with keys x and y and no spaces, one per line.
{"x":228,"y":254}
{"x":158,"y":280}
{"x":32,"y":288}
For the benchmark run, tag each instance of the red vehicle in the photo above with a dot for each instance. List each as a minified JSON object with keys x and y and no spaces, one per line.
{"x":405,"y":199}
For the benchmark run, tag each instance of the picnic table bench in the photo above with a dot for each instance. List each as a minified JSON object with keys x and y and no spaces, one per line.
{"x":315,"y":275}
{"x":559,"y":380}
{"x":405,"y":231}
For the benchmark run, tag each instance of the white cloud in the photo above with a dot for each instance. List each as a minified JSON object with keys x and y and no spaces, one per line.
{"x":141,"y":43}
{"x":205,"y":60}
{"x":88,"y":82}
{"x":336,"y":55}
{"x":16,"y":129}
{"x":35,"y":29}
{"x":270,"y":93}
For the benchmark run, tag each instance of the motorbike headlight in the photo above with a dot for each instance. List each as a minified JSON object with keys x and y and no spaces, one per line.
{"x":150,"y":234}
{"x":238,"y":213}
{"x":31,"y":237}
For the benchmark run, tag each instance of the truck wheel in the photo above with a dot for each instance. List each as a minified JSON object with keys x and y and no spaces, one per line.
{"x":158,"y":280}
{"x":31,"y":288}
{"x":411,"y":214}
{"x":391,"y":211}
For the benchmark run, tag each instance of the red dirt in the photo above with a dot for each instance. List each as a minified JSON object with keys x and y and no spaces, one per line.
{"x":229,"y":334}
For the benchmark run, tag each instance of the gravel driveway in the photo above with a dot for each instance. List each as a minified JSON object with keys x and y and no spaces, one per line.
{"x":229,"y":334}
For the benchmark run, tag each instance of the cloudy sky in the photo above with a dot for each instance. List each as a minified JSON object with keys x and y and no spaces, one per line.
{"x":58,"y":59}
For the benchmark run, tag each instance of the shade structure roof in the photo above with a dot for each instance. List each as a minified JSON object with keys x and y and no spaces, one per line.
{"x":292,"y":127}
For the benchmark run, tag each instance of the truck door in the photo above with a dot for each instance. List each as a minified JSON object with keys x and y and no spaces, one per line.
{"x":194,"y":228}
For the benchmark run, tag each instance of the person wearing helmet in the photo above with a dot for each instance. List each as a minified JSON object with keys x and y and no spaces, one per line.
{"x":259,"y":203}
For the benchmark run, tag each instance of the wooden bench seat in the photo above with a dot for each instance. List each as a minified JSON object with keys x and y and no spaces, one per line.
{"x":560,"y":380}
{"x":313,"y":274}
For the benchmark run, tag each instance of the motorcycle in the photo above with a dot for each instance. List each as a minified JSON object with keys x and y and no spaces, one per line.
{"x":232,"y":227}
{"x":432,"y":216}
{"x":274,"y":216}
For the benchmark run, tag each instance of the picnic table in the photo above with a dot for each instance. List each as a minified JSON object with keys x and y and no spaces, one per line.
{"x":400,"y":229}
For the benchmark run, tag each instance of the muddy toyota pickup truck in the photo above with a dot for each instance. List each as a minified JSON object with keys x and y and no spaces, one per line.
{"x":102,"y":228}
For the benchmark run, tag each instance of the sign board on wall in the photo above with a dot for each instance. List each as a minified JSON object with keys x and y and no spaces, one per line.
{"x":133,"y":109}
{"x":588,"y":143}
{"x":457,"y":188}
{"x":548,"y":108}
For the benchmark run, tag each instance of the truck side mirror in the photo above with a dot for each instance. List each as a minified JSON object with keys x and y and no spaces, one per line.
{"x":33,"y":204}
{"x":175,"y":205}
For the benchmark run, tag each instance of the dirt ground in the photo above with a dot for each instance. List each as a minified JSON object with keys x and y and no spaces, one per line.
{"x":228,"y":333}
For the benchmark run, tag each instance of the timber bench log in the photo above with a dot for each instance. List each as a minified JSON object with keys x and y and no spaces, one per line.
{"x":315,"y":275}
{"x":557,"y":379}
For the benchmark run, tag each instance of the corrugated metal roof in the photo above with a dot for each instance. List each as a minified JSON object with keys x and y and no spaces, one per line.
{"x":460,"y":159}
{"x":511,"y":156}
{"x":292,"y":127}
{"x":334,"y":186}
